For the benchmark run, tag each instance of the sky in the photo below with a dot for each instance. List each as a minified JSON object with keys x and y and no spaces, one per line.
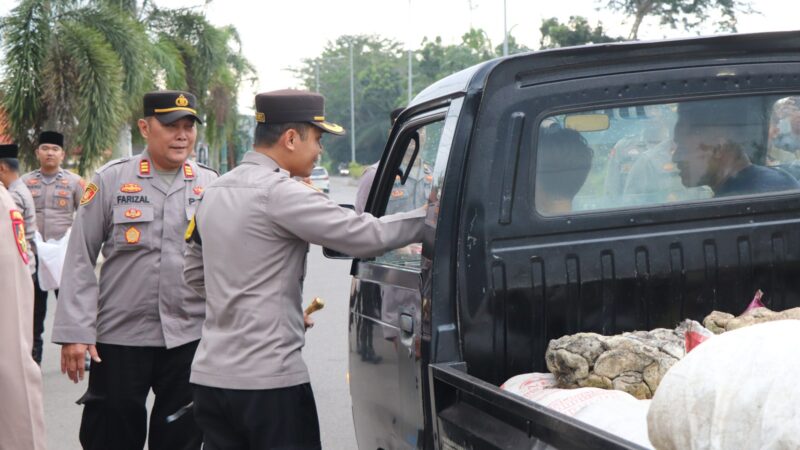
{"x":277,"y":35}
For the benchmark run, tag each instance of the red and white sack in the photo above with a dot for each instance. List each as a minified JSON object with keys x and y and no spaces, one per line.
{"x":735,"y":391}
{"x":617,"y":412}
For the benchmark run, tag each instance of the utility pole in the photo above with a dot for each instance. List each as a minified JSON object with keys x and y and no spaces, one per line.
{"x":410,"y":58}
{"x":352,"y":109}
{"x":505,"y":30}
{"x":316,"y":73}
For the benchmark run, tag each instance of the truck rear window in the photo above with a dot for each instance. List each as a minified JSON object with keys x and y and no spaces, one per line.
{"x":645,"y":155}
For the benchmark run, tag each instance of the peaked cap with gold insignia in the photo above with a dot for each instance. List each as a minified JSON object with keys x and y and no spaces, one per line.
{"x":291,"y":105}
{"x":169,"y":106}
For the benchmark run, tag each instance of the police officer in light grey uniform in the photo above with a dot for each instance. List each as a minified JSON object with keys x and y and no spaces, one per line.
{"x":22,"y":414}
{"x":9,"y":176}
{"x":142,"y":323}
{"x":247,"y":255}
{"x":56,"y":193}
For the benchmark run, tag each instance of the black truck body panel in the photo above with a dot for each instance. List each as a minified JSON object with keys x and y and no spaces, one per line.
{"x":499,"y":280}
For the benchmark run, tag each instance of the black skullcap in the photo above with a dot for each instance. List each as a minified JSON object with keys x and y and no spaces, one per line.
{"x":51,"y":137}
{"x":8,"y":151}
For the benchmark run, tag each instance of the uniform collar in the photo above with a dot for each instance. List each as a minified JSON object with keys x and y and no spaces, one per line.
{"x":145,"y":167}
{"x":38,"y":173}
{"x":252,"y":157}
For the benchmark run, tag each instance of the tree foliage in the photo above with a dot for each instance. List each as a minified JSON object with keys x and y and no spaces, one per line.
{"x":575,"y":32}
{"x":689,"y":14}
{"x":82,"y":67}
{"x":380,"y":74}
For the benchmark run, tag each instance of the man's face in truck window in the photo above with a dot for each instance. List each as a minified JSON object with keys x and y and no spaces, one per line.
{"x":694,"y":155}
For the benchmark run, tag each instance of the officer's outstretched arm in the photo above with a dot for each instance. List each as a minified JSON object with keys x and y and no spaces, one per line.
{"x":193,"y":259}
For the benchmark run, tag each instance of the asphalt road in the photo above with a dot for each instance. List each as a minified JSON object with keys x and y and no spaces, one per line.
{"x":325,"y":354}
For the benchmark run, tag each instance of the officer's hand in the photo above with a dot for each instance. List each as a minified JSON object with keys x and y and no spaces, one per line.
{"x":308,"y":321}
{"x":73,"y":357}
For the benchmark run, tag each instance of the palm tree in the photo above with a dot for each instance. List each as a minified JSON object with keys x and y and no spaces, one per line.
{"x":73,"y":66}
{"x":215,"y":69}
{"x":83,"y":66}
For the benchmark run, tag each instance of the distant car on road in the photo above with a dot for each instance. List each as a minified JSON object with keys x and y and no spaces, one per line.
{"x":344,"y":170}
{"x":319,"y":178}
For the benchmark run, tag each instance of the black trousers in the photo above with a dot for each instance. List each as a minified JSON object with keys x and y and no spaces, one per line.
{"x":114,"y":411}
{"x":39,"y":312}
{"x":270,"y":419}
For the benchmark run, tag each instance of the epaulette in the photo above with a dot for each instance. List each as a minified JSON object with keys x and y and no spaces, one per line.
{"x":311,"y":186}
{"x":206,"y":167}
{"x":112,"y":163}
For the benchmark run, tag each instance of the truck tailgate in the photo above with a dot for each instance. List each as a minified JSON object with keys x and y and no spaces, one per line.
{"x":473,"y":414}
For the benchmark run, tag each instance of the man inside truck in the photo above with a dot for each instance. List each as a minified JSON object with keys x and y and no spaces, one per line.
{"x":564,"y":162}
{"x":713,"y":142}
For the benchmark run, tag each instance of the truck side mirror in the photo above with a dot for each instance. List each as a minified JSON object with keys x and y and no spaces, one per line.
{"x":333,"y":254}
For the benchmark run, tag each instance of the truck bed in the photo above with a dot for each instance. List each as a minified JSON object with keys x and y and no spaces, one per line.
{"x":471,"y":413}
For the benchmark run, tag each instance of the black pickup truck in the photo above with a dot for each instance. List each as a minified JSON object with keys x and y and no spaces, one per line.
{"x":603,"y":188}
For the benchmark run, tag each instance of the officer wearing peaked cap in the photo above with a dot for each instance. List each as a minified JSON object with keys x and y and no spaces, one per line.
{"x":142,"y":322}
{"x":246,"y":254}
{"x":56,"y":193}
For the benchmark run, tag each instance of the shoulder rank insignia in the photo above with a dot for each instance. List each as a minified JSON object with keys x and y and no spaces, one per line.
{"x":18,"y":228}
{"x":132,"y":235}
{"x":187,"y":171}
{"x":312,"y":186}
{"x":192,"y":234}
{"x":144,"y":167}
{"x":133,"y":213}
{"x":130,"y":188}
{"x":89,"y":193}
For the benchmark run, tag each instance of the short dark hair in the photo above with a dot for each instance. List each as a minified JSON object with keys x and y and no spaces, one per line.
{"x":564,"y":161}
{"x":738,"y":120}
{"x":12,"y":163}
{"x":267,"y":134}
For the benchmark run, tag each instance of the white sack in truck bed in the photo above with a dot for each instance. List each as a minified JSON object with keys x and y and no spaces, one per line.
{"x":613,"y":411}
{"x":737,"y":390}
{"x":631,"y":362}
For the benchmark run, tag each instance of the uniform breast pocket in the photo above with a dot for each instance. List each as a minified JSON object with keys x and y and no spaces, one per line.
{"x":38,"y":198}
{"x":132,"y":227}
{"x":63,"y":198}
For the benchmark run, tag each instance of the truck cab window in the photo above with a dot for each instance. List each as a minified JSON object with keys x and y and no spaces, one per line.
{"x":647,"y":155}
{"x":415,"y":191}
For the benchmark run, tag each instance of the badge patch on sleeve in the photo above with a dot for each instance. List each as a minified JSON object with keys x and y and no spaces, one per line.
{"x":133,"y":235}
{"x":18,"y":228}
{"x":89,"y":193}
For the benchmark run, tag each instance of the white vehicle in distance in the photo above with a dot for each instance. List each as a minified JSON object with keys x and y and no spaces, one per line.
{"x":320,"y":179}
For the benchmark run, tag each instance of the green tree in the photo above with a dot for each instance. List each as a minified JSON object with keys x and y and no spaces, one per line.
{"x":83,"y":66}
{"x":575,"y":32}
{"x":211,"y":59}
{"x":72,"y":67}
{"x":689,"y":13}
{"x":380,"y":80}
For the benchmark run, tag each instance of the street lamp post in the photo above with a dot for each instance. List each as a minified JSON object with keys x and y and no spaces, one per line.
{"x":505,"y":30}
{"x":410,"y":58}
{"x":352,"y":109}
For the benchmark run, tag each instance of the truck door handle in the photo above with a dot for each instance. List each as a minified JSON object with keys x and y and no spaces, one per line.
{"x":406,"y":324}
